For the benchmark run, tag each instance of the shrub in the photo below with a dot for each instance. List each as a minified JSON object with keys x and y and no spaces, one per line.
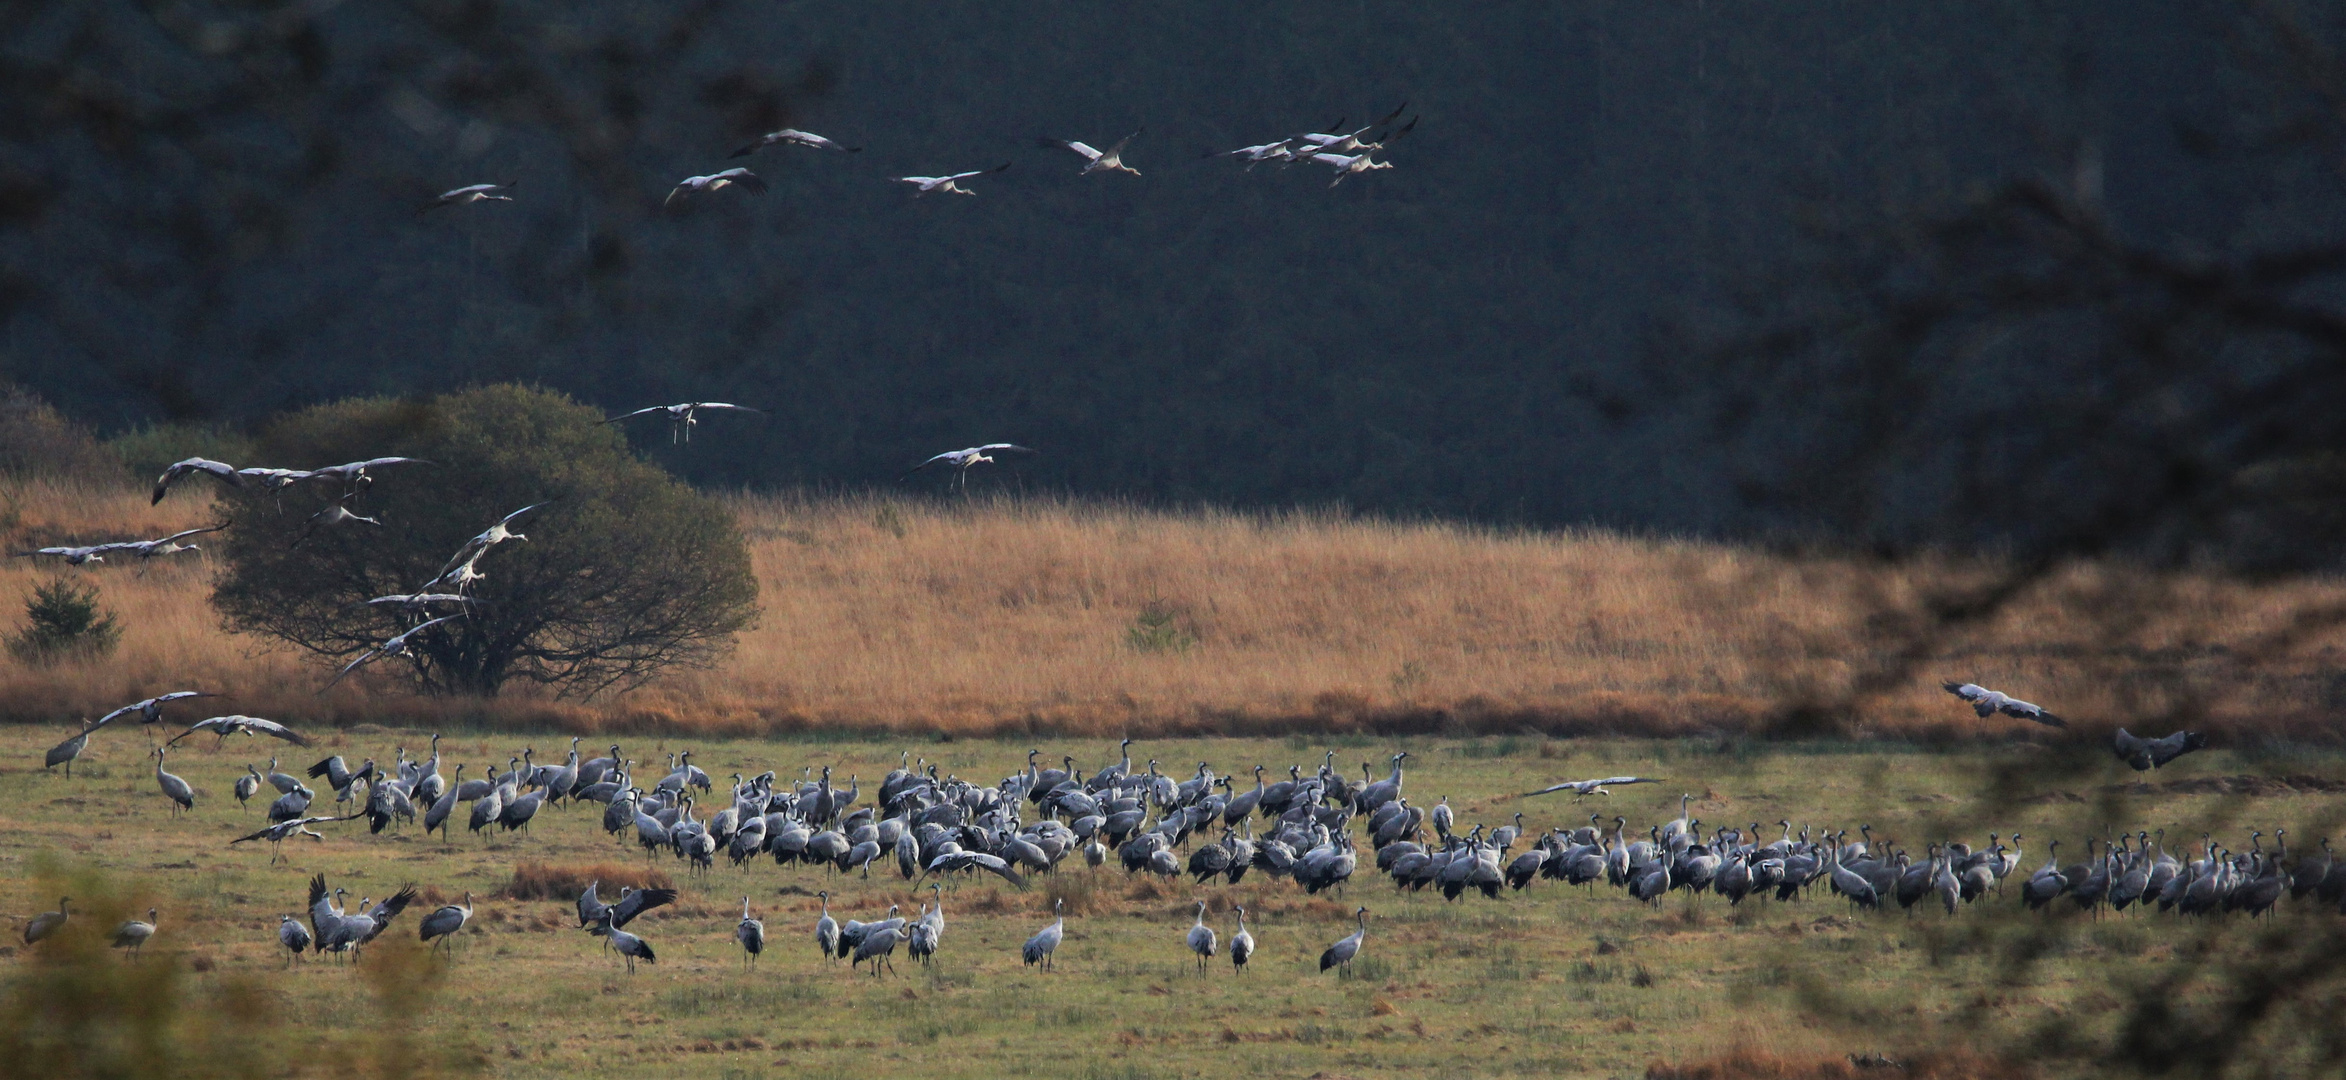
{"x":37,"y":441}
{"x":625,"y":572}
{"x":1158,"y":629}
{"x":533,"y":880}
{"x":147,"y":451}
{"x":63,"y":620}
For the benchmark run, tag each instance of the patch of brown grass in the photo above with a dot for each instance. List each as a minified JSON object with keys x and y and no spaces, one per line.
{"x":533,"y":880}
{"x":1750,"y":1063}
{"x":919,"y":618}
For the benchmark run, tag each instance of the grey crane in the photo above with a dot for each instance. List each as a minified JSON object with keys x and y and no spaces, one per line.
{"x":180,"y":792}
{"x":1341,"y":953}
{"x":293,"y":936}
{"x":879,"y":947}
{"x":217,"y":470}
{"x":793,"y":137}
{"x":486,"y":811}
{"x":974,"y":860}
{"x":396,"y":646}
{"x":851,"y":935}
{"x":247,"y":786}
{"x":334,"y":513}
{"x":702,"y":185}
{"x":47,"y":922}
{"x":284,"y":783}
{"x":920,"y":941}
{"x":1109,"y":160}
{"x":74,"y":556}
{"x":1201,"y":939}
{"x":442,"y":925}
{"x":628,"y":945}
{"x":633,"y":902}
{"x":827,"y":929}
{"x":469,"y":194}
{"x":751,"y":934}
{"x":962,"y":460}
{"x":1040,"y":948}
{"x":1591,"y":787}
{"x":69,"y":751}
{"x":479,"y":545}
{"x":279,"y":832}
{"x":354,"y":475}
{"x":923,"y":185}
{"x":1986,"y":703}
{"x":1241,"y":942}
{"x":133,"y":933}
{"x":2147,"y":754}
{"x":224,"y":726}
{"x":169,"y":545}
{"x":436,"y":817}
{"x":1350,"y":164}
{"x":684,"y":416}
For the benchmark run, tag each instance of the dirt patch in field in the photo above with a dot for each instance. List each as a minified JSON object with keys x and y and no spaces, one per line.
{"x":2262,"y":786}
{"x":1753,"y":1064}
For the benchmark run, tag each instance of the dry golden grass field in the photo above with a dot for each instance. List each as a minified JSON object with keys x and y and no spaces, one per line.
{"x":917,"y":616}
{"x":1552,"y":981}
{"x":969,"y":632}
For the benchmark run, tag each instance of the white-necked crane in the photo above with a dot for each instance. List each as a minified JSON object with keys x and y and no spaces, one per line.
{"x":472,"y":193}
{"x":793,"y":137}
{"x":397,"y":646}
{"x":961,"y":460}
{"x":924,"y":185}
{"x":683,"y":416}
{"x":703,"y":185}
{"x":1109,"y":160}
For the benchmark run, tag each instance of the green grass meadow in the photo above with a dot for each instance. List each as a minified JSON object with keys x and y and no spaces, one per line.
{"x":1552,"y":981}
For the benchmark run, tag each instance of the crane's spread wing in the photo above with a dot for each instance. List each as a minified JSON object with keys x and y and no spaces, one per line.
{"x":638,"y":412}
{"x":946,"y":456}
{"x":723,"y":407}
{"x":1085,"y":149}
{"x":1118,"y":149}
{"x":745,"y":178}
{"x":2022,"y":710}
{"x":1012,"y":447}
{"x":1568,"y":785}
{"x":218,"y":469}
{"x":418,"y":628}
{"x":183,"y":534}
{"x":980,"y":172}
{"x":275,"y":730}
{"x":508,"y":519}
{"x":1966,"y":691}
{"x":1612,"y":780}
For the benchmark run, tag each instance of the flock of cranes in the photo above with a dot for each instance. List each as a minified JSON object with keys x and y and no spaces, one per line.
{"x":1350,"y":153}
{"x":1315,"y":828}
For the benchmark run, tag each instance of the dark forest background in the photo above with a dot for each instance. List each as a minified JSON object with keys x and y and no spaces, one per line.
{"x":1556,"y":308}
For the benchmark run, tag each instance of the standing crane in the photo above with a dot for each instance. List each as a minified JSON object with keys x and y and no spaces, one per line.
{"x":1201,"y":939}
{"x":751,"y":934}
{"x":181,"y":794}
{"x":1039,"y":948}
{"x":1241,"y":943}
{"x":1341,"y":953}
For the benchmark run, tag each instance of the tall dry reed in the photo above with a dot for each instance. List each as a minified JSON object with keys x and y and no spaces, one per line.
{"x":1003,"y":617}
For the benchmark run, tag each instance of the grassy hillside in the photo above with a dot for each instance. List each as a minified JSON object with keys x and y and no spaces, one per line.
{"x":992,"y":617}
{"x":1548,"y":982}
